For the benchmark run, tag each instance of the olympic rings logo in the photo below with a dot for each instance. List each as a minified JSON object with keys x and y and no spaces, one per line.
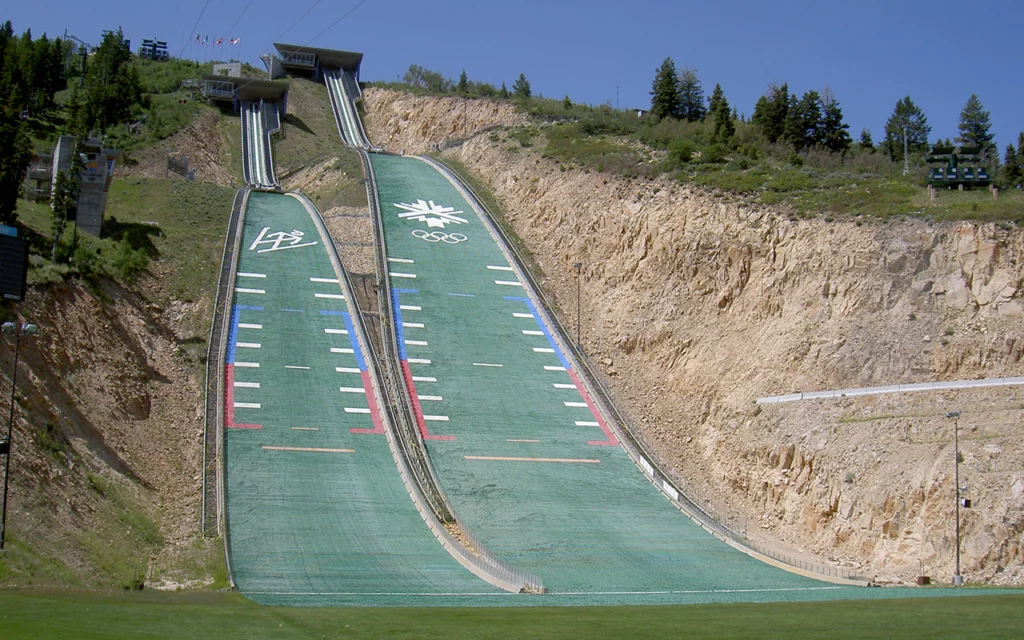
{"x":439,"y":236}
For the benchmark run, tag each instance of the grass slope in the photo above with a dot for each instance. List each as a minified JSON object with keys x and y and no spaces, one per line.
{"x":176,"y":615}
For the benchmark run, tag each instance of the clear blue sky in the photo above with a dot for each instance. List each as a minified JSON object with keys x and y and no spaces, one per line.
{"x":870,"y":52}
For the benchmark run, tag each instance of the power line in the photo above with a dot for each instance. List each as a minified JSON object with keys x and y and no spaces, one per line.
{"x":299,"y":20}
{"x":330,"y":26}
{"x":233,"y":24}
{"x":189,"y":39}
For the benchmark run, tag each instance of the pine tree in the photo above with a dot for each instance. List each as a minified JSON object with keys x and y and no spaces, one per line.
{"x":906,"y":114}
{"x":833,"y":134}
{"x":723,"y":116}
{"x":504,"y":91}
{"x":866,"y":144}
{"x":112,"y":84}
{"x":803,"y":121}
{"x":1011,"y":167}
{"x":567,"y":103}
{"x":771,"y":111}
{"x":664,"y":92}
{"x":521,"y":88}
{"x":463,"y":82}
{"x":716,"y":97}
{"x":691,"y":96}
{"x":975,"y":126}
{"x":15,"y":154}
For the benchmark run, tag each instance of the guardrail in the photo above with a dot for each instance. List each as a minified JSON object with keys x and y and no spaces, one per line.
{"x":893,"y":388}
{"x":634,"y":443}
{"x":213,"y":443}
{"x":477,"y":559}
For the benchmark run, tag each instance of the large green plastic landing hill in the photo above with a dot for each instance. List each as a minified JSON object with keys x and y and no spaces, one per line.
{"x":317,"y":513}
{"x":527,"y":464}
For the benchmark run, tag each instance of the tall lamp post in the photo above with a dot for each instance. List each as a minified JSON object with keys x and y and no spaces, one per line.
{"x":578,"y":266}
{"x":958,"y":580}
{"x":25,"y":329}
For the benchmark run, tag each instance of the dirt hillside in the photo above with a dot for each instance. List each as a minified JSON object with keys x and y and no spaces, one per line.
{"x":695,"y":305}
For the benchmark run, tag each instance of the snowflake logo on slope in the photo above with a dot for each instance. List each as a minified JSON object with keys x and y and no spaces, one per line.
{"x":434,"y":215}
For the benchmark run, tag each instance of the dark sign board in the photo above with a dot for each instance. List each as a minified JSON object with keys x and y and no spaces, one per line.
{"x":13,"y":267}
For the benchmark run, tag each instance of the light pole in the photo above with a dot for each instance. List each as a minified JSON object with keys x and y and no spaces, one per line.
{"x":26,"y":329}
{"x":578,"y":266}
{"x":958,"y":580}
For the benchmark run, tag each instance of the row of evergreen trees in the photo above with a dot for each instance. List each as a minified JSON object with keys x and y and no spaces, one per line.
{"x":32,"y":72}
{"x":815,"y":120}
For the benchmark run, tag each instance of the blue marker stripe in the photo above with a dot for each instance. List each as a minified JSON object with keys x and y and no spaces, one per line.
{"x":543,"y":327}
{"x":324,"y":312}
{"x":398,"y":325}
{"x":355,"y":342}
{"x":233,"y":329}
{"x":406,"y":290}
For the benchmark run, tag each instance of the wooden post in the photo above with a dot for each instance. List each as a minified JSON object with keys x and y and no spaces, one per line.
{"x":995,"y":192}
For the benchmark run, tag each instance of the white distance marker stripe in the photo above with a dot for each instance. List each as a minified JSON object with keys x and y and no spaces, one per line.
{"x":326,"y":280}
{"x":248,"y":345}
{"x":585,"y":423}
{"x":244,"y":290}
{"x":418,"y":361}
{"x":251,"y":275}
{"x":341,"y":350}
{"x":402,"y":260}
{"x":247,"y":385}
{"x":356,"y":410}
{"x":531,"y":332}
{"x":494,"y":268}
{"x":352,"y":390}
{"x":292,"y":366}
{"x":394,"y":274}
{"x":436,"y":418}
{"x":246,"y":325}
{"x":413,"y":325}
{"x":409,"y":307}
{"x":423,"y":379}
{"x":582,"y":405}
{"x":247,"y":405}
{"x":554,"y":368}
{"x":543,"y":350}
{"x":340,"y":332}
{"x":416,"y":343}
{"x":433,"y":398}
{"x":329,"y":296}
{"x":486,"y":364}
{"x":347,"y":369}
{"x":248,"y":365}
{"x":509,"y":283}
{"x":559,"y":385}
{"x":522,"y":315}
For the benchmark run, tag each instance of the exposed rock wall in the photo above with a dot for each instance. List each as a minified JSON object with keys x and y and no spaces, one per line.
{"x":695,"y":305}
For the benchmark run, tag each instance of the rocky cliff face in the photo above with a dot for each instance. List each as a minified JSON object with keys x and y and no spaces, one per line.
{"x":695,"y":305}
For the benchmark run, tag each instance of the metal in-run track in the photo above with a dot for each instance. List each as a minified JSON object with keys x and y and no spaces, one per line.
{"x":632,"y":440}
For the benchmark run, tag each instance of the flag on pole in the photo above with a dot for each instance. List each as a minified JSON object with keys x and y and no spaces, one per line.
{"x":197,"y":38}
{"x":234,"y":40}
{"x":204,"y":39}
{"x":219,"y":41}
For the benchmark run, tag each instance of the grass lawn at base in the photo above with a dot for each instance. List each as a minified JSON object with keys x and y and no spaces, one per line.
{"x":228,"y":615}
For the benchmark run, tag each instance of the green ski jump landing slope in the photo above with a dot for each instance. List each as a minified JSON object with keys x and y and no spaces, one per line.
{"x":530,"y":469}
{"x":317,"y":513}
